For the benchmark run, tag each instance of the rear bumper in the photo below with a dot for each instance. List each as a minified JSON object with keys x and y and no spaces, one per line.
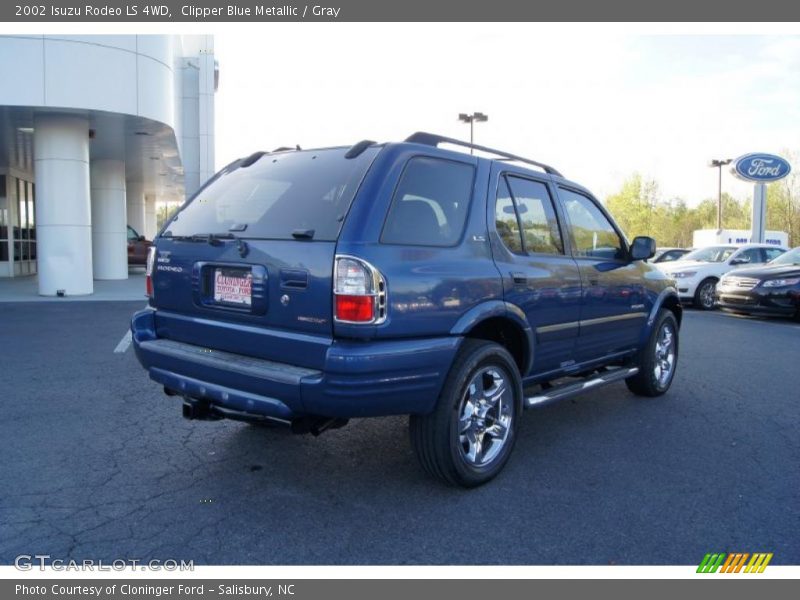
{"x":359,"y":379}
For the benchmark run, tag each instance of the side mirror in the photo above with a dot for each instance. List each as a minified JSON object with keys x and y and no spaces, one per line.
{"x":642,"y":248}
{"x":739,"y":261}
{"x":141,"y":238}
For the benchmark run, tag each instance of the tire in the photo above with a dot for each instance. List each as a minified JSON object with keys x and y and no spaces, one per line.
{"x":468,"y":438}
{"x":662,"y":348}
{"x":704,"y":294}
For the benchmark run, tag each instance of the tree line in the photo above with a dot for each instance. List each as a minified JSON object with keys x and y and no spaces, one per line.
{"x":640,"y":210}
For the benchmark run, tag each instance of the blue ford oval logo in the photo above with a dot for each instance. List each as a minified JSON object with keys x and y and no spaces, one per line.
{"x":761,"y":167}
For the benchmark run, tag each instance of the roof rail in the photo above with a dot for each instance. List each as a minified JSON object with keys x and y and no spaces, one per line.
{"x":249,"y":160}
{"x":432,"y":139}
{"x":358,"y":148}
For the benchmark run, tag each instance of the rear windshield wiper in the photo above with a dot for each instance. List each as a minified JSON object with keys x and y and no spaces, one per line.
{"x":212,"y":238}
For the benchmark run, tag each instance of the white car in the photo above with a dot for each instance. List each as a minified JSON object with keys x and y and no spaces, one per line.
{"x":697,"y":273}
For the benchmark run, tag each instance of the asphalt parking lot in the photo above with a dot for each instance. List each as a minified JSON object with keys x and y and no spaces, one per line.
{"x":98,"y":463}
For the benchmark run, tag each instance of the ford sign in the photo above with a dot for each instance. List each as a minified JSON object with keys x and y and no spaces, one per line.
{"x":761,"y":167}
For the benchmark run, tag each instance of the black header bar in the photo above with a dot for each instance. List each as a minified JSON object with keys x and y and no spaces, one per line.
{"x":210,"y":11}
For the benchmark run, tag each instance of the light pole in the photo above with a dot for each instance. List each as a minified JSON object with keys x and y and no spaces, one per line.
{"x":471,"y":119}
{"x":719,"y":163}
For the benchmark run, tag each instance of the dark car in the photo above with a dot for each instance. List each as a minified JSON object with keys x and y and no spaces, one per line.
{"x":138,"y":247}
{"x":311,"y":287}
{"x":772,"y":290}
{"x":669,"y":254}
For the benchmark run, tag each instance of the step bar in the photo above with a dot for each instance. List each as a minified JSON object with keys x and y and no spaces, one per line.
{"x":568,"y":390}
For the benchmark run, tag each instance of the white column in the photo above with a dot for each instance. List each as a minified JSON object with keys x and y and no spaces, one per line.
{"x":150,"y":220}
{"x":109,"y":220}
{"x":758,"y":215}
{"x":63,"y":211}
{"x":207,"y":88}
{"x":134,"y":193}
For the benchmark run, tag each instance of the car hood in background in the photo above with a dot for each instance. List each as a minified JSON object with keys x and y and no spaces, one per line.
{"x":768,"y":272}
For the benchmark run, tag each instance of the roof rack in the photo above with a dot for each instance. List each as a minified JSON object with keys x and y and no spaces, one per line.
{"x":432,"y":139}
{"x":249,"y":160}
{"x":358,"y":148}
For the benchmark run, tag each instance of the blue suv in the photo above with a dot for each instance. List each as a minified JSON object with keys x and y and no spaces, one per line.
{"x":308,"y":287}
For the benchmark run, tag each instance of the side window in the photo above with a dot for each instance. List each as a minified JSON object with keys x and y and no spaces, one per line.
{"x":537,"y":216}
{"x":750,"y":255}
{"x":430,"y":203}
{"x":505,"y":218}
{"x":773,"y":253}
{"x":132,"y":235}
{"x":592,"y":232}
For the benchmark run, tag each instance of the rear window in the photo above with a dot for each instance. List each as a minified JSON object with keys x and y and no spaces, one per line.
{"x":430,"y":203}
{"x":277,"y":195}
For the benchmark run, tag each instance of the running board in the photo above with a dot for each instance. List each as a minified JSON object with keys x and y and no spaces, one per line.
{"x":571,"y":389}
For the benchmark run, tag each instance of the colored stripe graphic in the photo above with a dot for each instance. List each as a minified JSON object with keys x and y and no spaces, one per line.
{"x":734,"y":562}
{"x":759,"y":562}
{"x":727,"y":567}
{"x":711,"y":562}
{"x":740,"y":564}
{"x":766,"y":562}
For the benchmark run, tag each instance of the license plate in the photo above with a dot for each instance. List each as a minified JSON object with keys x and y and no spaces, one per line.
{"x":233,"y":287}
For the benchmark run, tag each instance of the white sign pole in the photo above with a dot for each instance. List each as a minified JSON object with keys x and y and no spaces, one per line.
{"x":759,"y":214}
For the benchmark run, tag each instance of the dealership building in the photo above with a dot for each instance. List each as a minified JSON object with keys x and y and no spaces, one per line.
{"x":95,"y":131}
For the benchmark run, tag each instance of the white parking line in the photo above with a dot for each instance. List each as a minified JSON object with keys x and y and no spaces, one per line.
{"x":124,"y":343}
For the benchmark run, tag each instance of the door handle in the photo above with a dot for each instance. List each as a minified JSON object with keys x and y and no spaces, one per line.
{"x":519,"y":277}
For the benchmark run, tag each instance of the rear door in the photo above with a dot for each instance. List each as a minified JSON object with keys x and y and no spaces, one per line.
{"x":538,"y":274}
{"x":254,"y":253}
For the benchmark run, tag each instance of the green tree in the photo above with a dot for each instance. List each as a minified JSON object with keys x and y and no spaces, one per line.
{"x":635,"y":206}
{"x":639,"y":211}
{"x":164,"y":211}
{"x":783,"y":203}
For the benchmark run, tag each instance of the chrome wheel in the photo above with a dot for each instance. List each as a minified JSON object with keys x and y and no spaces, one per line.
{"x":665,"y":355}
{"x":485,"y":414}
{"x":707,"y":295}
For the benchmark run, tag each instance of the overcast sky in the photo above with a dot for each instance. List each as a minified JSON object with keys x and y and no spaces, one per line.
{"x":598,"y":108}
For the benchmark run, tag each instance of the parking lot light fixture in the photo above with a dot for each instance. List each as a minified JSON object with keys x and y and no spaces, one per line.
{"x":478,"y":117}
{"x":719,"y":163}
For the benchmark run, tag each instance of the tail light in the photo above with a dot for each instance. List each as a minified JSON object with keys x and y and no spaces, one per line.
{"x":359,"y":292}
{"x":151,"y":259}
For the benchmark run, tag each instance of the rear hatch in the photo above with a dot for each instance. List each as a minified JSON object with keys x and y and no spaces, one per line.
{"x":248,"y":262}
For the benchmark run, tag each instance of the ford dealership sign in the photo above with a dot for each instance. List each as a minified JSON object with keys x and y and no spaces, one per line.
{"x":761,"y":167}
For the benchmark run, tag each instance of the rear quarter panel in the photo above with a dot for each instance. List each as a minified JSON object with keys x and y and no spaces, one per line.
{"x":429,"y":288}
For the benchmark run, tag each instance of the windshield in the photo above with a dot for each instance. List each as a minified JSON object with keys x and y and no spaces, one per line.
{"x":306,"y":192}
{"x":792,"y":257}
{"x":710,"y":254}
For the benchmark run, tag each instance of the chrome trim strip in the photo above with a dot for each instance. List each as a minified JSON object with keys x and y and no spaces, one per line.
{"x":625,"y":317}
{"x":590,"y":322}
{"x":558,"y":327}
